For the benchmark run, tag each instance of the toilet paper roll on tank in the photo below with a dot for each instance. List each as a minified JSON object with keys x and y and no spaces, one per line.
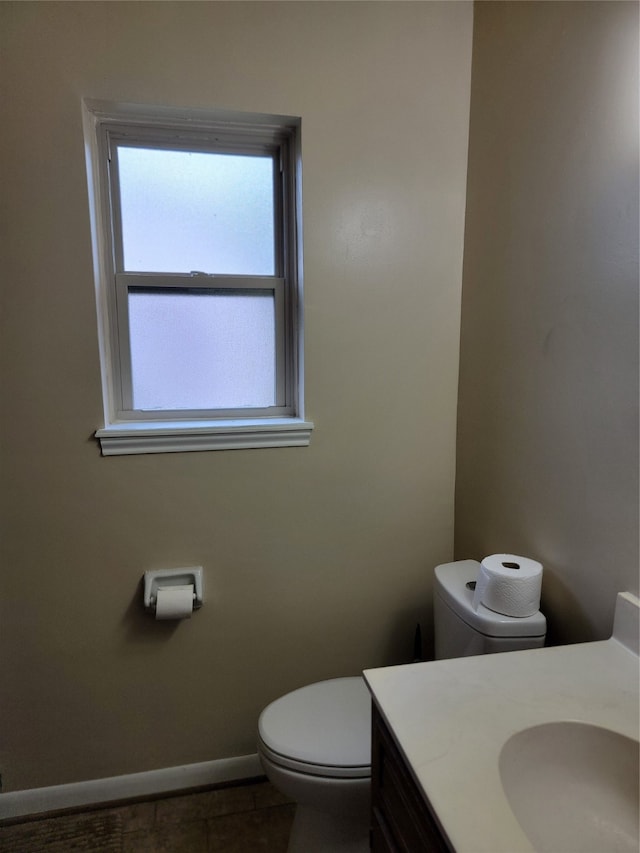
{"x":509,"y":584}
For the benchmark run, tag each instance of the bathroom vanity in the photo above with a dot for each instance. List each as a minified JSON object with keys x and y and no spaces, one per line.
{"x":517,"y":752}
{"x":401,"y":818}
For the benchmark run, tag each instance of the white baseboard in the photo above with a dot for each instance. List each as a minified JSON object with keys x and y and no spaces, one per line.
{"x":99,"y":791}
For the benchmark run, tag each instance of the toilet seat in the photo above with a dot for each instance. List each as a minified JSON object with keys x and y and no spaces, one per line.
{"x":323,"y":729}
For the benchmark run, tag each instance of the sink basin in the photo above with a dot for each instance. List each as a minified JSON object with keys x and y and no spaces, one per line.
{"x":573,"y":787}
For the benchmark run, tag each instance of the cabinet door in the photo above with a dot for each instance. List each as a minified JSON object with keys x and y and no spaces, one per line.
{"x":381,"y":838}
{"x":401,"y":820}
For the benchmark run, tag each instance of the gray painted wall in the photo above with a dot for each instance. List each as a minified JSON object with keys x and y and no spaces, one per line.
{"x":317,"y":561}
{"x":547,"y":457}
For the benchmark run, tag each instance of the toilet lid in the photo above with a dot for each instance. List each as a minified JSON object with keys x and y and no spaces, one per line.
{"x":323,"y":728}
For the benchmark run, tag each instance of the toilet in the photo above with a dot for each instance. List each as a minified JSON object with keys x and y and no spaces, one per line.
{"x":315,"y":742}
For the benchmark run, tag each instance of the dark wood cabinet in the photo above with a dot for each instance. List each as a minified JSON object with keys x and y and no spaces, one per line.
{"x":401,"y":820}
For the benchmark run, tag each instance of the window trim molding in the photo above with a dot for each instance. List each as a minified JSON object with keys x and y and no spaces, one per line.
{"x":279,"y":427}
{"x":148,"y":437}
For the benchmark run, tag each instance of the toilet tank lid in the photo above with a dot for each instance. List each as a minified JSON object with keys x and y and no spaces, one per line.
{"x":451,"y":586}
{"x":327,"y":723}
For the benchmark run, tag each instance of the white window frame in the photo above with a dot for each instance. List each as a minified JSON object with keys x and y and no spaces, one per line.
{"x":126,"y":430}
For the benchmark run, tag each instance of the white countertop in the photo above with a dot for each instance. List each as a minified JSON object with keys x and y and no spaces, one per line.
{"x":450,"y":719}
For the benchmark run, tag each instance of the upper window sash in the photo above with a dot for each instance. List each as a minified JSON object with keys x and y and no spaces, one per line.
{"x":276,"y":150}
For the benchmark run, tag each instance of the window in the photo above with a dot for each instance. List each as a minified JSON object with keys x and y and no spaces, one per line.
{"x":196,"y":223}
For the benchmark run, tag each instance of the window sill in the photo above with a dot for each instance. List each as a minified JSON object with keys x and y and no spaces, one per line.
{"x":122,"y":439}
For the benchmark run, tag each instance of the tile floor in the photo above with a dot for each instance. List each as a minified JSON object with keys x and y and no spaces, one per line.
{"x":239,"y":819}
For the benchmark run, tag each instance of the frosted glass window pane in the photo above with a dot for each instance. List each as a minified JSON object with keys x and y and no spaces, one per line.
{"x":202,"y":350}
{"x":192,"y":210}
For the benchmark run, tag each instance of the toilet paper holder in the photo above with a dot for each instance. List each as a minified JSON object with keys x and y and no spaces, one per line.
{"x":156,"y":579}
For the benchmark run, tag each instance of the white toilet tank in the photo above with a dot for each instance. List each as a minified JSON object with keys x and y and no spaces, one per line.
{"x":461,"y":631}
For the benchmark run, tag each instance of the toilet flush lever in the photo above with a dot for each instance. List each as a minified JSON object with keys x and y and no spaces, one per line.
{"x":163,"y":578}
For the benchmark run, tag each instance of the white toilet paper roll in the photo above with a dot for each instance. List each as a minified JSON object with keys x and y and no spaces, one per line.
{"x":509,"y":584}
{"x":175,"y":602}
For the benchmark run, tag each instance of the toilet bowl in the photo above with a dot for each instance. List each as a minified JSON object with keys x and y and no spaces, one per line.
{"x":315,"y":742}
{"x":315,"y":747}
